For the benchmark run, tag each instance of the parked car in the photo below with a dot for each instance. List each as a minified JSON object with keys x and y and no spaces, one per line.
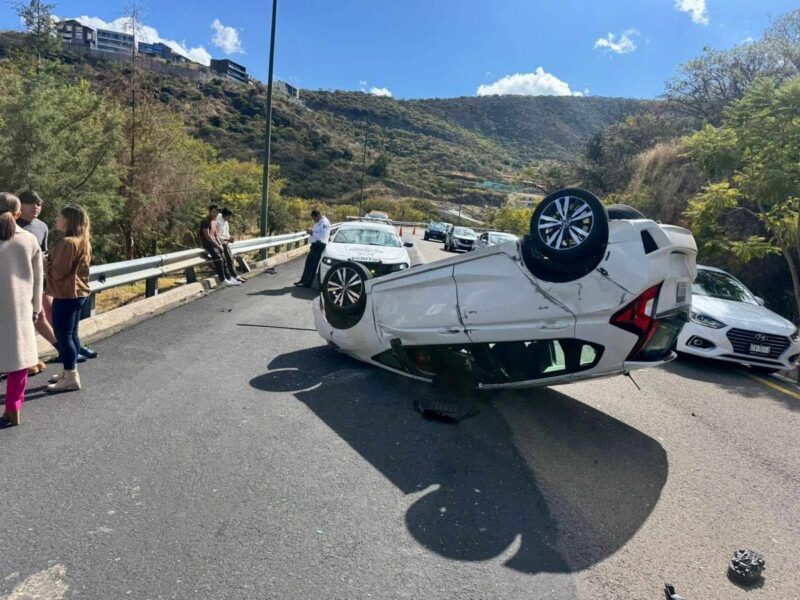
{"x":492,"y":238}
{"x":459,"y":238}
{"x":372,"y":244}
{"x":581,"y":297}
{"x":728,"y":322}
{"x":436,"y":231}
{"x":377,"y":215}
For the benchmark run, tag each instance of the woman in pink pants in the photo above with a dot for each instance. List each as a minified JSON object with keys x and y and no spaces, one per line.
{"x":20,"y":304}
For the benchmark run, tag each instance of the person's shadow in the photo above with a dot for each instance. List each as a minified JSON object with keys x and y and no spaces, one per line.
{"x":479,"y":498}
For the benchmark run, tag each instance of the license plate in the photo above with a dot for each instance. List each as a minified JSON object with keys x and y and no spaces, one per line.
{"x":760,"y":349}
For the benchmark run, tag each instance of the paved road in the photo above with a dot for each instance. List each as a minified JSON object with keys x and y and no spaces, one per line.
{"x":221,"y":451}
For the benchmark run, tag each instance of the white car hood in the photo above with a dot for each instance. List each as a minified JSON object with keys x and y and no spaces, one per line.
{"x":365,"y":252}
{"x":744,"y":314}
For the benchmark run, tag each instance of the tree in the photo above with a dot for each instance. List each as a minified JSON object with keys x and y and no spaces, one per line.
{"x":60,"y":139}
{"x":513,"y":220}
{"x":751,"y":207}
{"x":549,"y":175}
{"x":379,"y":168}
{"x":704,"y":86}
{"x":37,"y":16}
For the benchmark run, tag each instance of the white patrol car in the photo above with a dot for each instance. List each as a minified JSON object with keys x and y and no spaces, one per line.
{"x":373,"y":244}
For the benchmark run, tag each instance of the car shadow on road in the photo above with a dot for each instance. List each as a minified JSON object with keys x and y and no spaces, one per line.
{"x":732,"y":377}
{"x":302,"y":293}
{"x":478,"y":498}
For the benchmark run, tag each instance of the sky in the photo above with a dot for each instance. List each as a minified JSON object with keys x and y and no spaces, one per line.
{"x":448,"y":48}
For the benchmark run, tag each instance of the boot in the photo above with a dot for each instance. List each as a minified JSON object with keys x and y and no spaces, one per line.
{"x":56,"y":377}
{"x":70,"y":382}
{"x":11,"y":417}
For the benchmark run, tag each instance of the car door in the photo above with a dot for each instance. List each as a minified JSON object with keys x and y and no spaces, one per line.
{"x":499,"y":302}
{"x":419,"y":308}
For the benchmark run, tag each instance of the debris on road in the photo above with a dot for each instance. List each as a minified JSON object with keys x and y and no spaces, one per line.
{"x":746,"y":567}
{"x":438,"y":409}
{"x":669,"y":590}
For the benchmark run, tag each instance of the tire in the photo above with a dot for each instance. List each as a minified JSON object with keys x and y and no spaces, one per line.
{"x":617,"y":212}
{"x":344,"y":291}
{"x":557,"y":234}
{"x":555,"y":271}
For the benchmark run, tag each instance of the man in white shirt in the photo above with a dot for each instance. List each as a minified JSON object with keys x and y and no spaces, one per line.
{"x":225,"y":237}
{"x":320,"y":234}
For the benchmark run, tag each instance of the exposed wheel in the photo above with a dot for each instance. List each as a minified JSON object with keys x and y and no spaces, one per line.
{"x":556,"y":271}
{"x":344,"y":290}
{"x":617,"y":212}
{"x":569,"y":224}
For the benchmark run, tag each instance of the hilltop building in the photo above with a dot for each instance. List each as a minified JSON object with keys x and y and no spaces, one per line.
{"x":231,"y":70}
{"x":114,"y":41}
{"x":73,"y":33}
{"x":160,"y":50}
{"x":282,"y":87}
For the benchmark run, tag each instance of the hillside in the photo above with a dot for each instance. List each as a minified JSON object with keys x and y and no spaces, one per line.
{"x":437,"y":148}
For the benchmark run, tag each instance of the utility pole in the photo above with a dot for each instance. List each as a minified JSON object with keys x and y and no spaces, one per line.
{"x":268,"y":142}
{"x":363,"y":169}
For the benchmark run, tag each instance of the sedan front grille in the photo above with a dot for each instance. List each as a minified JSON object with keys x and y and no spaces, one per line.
{"x":741,"y":339}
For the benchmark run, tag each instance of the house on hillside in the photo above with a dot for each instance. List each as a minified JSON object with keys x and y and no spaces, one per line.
{"x":78,"y":36}
{"x":231,"y":70}
{"x":73,"y":33}
{"x":163,"y":51}
{"x":284,"y":88}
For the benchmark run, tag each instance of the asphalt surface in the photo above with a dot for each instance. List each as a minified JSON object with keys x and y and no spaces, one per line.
{"x":222,"y":451}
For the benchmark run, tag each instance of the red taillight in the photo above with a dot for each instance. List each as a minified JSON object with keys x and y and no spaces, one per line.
{"x":638,"y":317}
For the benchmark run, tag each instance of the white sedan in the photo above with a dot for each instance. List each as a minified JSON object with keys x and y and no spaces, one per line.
{"x":493,"y":238}
{"x":729,"y":323}
{"x":585,"y":295}
{"x":373,"y":244}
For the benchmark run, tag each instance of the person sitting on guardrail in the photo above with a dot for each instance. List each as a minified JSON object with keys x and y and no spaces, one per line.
{"x":211,"y":243}
{"x":225,"y":237}
{"x":20,"y":305}
{"x":320,"y":234}
{"x":67,"y":271}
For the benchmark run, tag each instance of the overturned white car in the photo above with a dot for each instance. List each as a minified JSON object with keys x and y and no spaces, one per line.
{"x":589,"y":293}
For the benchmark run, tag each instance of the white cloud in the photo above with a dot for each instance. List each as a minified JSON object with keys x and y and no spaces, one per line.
{"x":376,"y":91}
{"x":538,"y":83}
{"x":226,"y":38}
{"x":150,"y":35}
{"x":621,"y":45}
{"x":362,"y":84}
{"x":696,"y":8}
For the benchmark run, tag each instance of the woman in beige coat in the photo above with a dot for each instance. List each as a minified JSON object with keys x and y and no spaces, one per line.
{"x":20,"y":304}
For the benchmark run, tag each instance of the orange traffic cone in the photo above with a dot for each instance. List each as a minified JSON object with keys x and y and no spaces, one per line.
{"x":401,"y":231}
{"x":415,"y":230}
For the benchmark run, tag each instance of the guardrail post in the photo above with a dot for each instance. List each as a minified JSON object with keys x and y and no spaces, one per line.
{"x":242,"y":262}
{"x":151,"y":287}
{"x":191,"y":275}
{"x":88,"y":308}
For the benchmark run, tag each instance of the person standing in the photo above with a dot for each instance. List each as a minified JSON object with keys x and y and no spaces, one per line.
{"x":226,"y":239}
{"x":210,"y":240}
{"x":20,"y":305}
{"x":320,"y":235}
{"x":30,"y":222}
{"x":67,"y":272}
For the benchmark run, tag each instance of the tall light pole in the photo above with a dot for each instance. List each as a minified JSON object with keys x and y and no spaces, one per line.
{"x":268,"y":142}
{"x":363,"y":169}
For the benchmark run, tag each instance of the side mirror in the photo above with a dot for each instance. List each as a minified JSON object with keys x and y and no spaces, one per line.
{"x":409,"y":244}
{"x":760,"y":301}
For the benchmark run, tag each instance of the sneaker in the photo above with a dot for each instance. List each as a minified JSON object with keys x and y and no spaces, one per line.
{"x":234,"y":282}
{"x":229,"y":283}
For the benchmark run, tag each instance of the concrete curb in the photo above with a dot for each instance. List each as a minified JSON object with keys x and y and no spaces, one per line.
{"x":114,"y":321}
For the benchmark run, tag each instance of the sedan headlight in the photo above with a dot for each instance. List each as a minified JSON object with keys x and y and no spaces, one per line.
{"x":328,"y":261}
{"x":706,"y":321}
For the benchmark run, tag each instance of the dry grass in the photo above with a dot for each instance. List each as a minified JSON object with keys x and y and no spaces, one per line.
{"x":116,"y":297}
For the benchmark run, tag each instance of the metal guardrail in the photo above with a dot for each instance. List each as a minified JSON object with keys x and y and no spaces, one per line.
{"x":150,"y":268}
